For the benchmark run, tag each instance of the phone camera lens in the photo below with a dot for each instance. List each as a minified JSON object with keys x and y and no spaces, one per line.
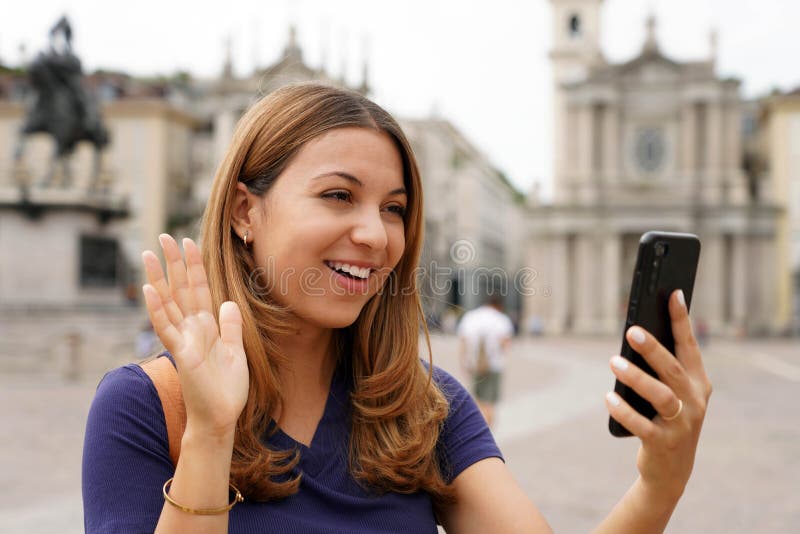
{"x":659,"y":249}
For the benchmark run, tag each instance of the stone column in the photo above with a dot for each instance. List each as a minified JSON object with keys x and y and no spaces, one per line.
{"x":560,"y":126}
{"x":611,"y":148}
{"x":587,"y":294}
{"x":610,"y":283}
{"x":742,"y":281}
{"x":712,"y":174}
{"x":584,"y":136}
{"x":561,"y":284}
{"x":708,"y":299}
{"x":569,"y":171}
{"x":762,"y":309}
{"x":687,"y":162}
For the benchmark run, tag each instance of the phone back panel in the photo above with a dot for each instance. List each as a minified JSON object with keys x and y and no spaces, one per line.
{"x":656,"y":276}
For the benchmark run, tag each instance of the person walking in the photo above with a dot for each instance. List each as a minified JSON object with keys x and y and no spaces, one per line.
{"x":485,"y":334}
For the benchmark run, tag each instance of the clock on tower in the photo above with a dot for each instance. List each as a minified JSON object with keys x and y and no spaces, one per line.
{"x":649,"y":149}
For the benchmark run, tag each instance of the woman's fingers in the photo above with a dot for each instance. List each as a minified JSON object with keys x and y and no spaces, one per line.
{"x":636,"y":423}
{"x":651,"y":389}
{"x":686,"y":347}
{"x":669,"y":369}
{"x":155,"y":277}
{"x":230,"y":326}
{"x":178,"y":277}
{"x":198,"y":282}
{"x":162,"y":324}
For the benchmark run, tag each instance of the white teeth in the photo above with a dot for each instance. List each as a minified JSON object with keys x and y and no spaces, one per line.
{"x":361,"y":272}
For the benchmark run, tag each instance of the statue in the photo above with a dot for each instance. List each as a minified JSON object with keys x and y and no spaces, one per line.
{"x":62,"y":107}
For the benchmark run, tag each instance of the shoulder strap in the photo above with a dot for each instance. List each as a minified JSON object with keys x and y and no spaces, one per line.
{"x":165,"y":378}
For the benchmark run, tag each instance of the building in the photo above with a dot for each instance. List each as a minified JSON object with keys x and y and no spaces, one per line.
{"x":780,"y":149}
{"x":473,"y":222}
{"x":648,"y":144}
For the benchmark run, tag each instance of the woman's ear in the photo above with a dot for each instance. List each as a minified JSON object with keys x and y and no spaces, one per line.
{"x":244,"y":204}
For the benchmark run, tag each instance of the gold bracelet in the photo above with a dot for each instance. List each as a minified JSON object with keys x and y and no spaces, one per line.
{"x":204,"y":511}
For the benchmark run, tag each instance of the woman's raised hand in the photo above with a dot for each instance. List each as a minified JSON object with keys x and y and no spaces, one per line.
{"x":680,"y":397}
{"x":210,"y":358}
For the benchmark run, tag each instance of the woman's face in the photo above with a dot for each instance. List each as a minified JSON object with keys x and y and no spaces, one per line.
{"x":330,"y":230}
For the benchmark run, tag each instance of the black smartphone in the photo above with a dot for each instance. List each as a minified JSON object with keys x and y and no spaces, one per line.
{"x":666,"y":261}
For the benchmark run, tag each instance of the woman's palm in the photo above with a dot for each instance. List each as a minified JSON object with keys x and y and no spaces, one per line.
{"x":209,"y":354}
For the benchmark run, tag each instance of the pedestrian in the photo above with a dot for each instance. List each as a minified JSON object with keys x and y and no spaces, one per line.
{"x":294,"y":332}
{"x":485,"y":334}
{"x":146,"y":341}
{"x":701,"y":331}
{"x":535,"y":325}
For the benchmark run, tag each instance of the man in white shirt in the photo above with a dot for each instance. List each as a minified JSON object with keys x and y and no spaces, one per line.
{"x":484,"y":336}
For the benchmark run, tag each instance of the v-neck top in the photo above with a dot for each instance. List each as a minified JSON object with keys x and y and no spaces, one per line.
{"x":126,"y":461}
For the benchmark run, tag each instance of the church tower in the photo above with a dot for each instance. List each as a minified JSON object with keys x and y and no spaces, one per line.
{"x":576,"y":38}
{"x":575,"y":48}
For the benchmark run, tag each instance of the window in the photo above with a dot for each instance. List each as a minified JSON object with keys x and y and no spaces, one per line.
{"x":99,"y":262}
{"x":749,"y":125}
{"x":574,"y":27}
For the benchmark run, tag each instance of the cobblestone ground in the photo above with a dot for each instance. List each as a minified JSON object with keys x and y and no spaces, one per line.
{"x":551,"y":427}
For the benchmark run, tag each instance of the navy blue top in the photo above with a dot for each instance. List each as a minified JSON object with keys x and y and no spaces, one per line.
{"x":126,"y":462}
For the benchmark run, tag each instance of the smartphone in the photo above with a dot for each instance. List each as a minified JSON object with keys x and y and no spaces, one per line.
{"x":666,"y":261}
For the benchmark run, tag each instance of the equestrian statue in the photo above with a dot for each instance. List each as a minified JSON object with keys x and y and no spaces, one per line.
{"x":62,"y":107}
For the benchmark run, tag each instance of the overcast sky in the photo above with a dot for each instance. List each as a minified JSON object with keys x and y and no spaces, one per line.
{"x":481,"y":64}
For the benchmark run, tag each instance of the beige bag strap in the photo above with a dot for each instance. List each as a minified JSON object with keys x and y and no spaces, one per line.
{"x":165,"y":378}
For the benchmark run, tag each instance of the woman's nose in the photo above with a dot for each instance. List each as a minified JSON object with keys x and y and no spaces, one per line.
{"x":370,"y":230}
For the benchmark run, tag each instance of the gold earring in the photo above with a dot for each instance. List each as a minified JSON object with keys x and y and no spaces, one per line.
{"x":244,"y":238}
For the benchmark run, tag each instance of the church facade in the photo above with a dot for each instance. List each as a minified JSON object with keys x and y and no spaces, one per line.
{"x":648,"y":144}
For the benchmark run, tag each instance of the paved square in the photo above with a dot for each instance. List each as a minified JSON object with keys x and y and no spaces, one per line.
{"x":551,"y":428}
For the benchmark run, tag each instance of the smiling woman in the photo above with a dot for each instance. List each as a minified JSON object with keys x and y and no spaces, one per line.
{"x":310,"y":391}
{"x":352,"y":229}
{"x":293,"y":375}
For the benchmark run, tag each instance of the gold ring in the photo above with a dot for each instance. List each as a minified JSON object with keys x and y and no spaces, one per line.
{"x":680,"y":409}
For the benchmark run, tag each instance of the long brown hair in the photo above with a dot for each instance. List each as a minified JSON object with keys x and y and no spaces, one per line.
{"x":397,"y":409}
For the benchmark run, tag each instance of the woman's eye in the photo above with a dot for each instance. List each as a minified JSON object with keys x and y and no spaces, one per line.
{"x":398,"y":209}
{"x":343,"y":196}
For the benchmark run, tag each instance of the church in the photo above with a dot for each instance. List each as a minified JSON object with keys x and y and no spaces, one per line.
{"x":647,"y":144}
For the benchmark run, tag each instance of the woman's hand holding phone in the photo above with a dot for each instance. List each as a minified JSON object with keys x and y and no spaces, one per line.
{"x":209,"y":353}
{"x":669,"y":441}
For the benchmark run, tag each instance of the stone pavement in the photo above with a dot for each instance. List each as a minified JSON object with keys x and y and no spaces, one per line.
{"x":551,"y":428}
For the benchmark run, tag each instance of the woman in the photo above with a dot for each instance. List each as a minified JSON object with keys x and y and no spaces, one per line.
{"x":295,"y":337}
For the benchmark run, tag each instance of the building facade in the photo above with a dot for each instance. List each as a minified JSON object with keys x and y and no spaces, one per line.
{"x":473,"y":222}
{"x":780,"y":149}
{"x":648,"y":144}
